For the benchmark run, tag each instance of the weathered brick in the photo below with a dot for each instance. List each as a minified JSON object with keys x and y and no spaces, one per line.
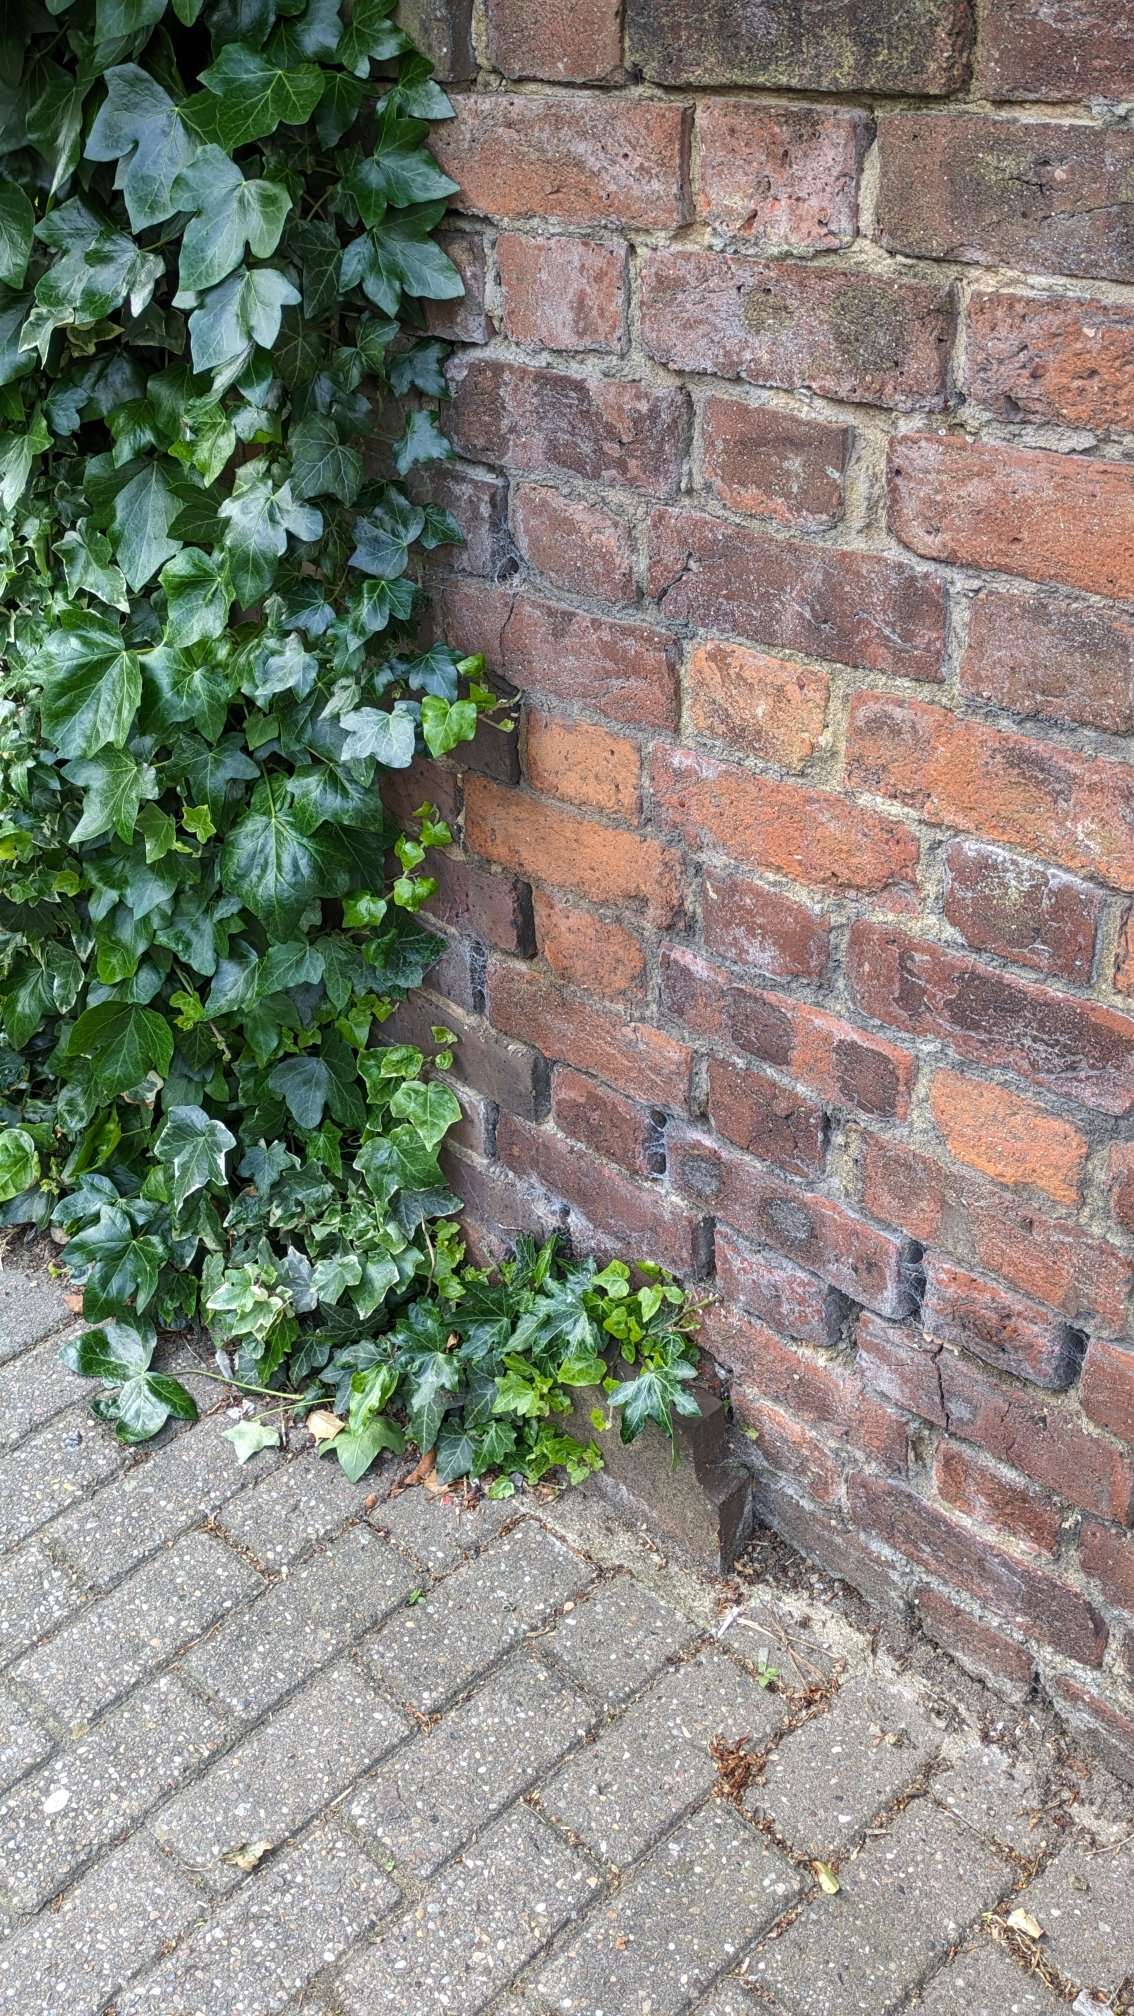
{"x":1035,"y":1602}
{"x":603,"y":863}
{"x":588,"y":951}
{"x":624,"y":671}
{"x":1124,"y":953}
{"x":1053,"y":657}
{"x":583,"y":764}
{"x":972,"y":1641}
{"x":1008,"y":1138}
{"x":815,"y":1389}
{"x":478,"y":504}
{"x":425,"y":782}
{"x":1108,"y":1558}
{"x":785,"y":1297}
{"x":490,"y":906}
{"x":763,"y":706}
{"x":1107,"y":1391}
{"x":849,"y":335}
{"x":813,"y":836}
{"x":772,"y":1121}
{"x":859,"y":609}
{"x":895,"y":46}
{"x":1076,"y":810}
{"x":442,"y":29}
{"x":606,"y":1122}
{"x":574,"y":543}
{"x":1063,"y":518}
{"x":1107,"y":1724}
{"x":789,"y":1449}
{"x":1062,"y":50}
{"x":1029,"y":193}
{"x":631,"y":1056}
{"x":780,"y":175}
{"x":774,"y":465}
{"x":577,"y":44}
{"x":462,"y":320}
{"x":1022,"y":910}
{"x":1080,"y":1049}
{"x":1004,"y":1330}
{"x":550,"y":422}
{"x":563,"y":293}
{"x":761,"y":928}
{"x":510,"y":1074}
{"x":1120,"y":1179}
{"x":647,"y":1220}
{"x":571,"y":159}
{"x":1050,"y":358}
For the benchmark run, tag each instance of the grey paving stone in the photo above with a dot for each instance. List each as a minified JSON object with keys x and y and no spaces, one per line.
{"x":998,"y":1796}
{"x":69,"y":1962}
{"x":427,"y":1799}
{"x":692,"y":1908}
{"x":139,"y":1752}
{"x":303,"y":1621}
{"x":729,"y":2000}
{"x":429,"y":1653}
{"x":22,"y":1742}
{"x":37,"y":1594}
{"x":828,"y":1780}
{"x":51,"y":1469}
{"x":621,"y":1791}
{"x":907,"y":1899}
{"x":291,"y":1767}
{"x":615,"y":1642}
{"x":287,"y":1512}
{"x":34,"y":1388}
{"x":1085,"y":1903}
{"x":440,"y":1532}
{"x":31,"y":1306}
{"x":985,"y":1982}
{"x":111,"y":1645}
{"x":264,"y":1944}
{"x":488,"y":1915}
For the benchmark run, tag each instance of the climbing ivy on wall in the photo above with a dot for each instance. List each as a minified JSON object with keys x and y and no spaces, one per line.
{"x":216,"y":243}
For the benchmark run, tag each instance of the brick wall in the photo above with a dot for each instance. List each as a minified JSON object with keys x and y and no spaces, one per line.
{"x":791,"y":939}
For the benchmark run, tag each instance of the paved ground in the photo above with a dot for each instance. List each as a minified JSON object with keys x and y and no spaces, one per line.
{"x":271,"y":1743}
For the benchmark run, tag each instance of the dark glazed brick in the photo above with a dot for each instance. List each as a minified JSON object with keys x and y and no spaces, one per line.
{"x":889,"y":45}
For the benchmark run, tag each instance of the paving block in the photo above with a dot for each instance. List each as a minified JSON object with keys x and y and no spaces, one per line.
{"x":430,"y":1652}
{"x":428,"y":1798}
{"x":110,"y":1645}
{"x":22,"y":1742}
{"x":697,"y":1902}
{"x":31,"y":1307}
{"x":38,"y":1593}
{"x":264,"y":1944}
{"x":70,"y":1961}
{"x":985,"y":1982}
{"x":906,"y":1900}
{"x":730,"y":2000}
{"x":1085,"y":1902}
{"x":484,"y":1918}
{"x":302,"y":1622}
{"x":290,"y":1768}
{"x":439,"y":1531}
{"x":616,"y":1641}
{"x":999,"y":1796}
{"x":285,"y":1513}
{"x":828,"y":1780}
{"x":92,"y":1790}
{"x":34,"y":1388}
{"x":51,"y":1469}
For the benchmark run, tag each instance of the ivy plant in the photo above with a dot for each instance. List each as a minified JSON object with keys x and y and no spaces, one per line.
{"x":217,"y":247}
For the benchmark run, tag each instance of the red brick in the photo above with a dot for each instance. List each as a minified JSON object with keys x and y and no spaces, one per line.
{"x":1014,"y":1335}
{"x":860,"y":609}
{"x":462,"y":320}
{"x":881,"y":1435}
{"x":581,"y":546}
{"x":1052,"y":657}
{"x":972,"y":1641}
{"x":588,"y":951}
{"x":788,"y":1449}
{"x":765,"y":707}
{"x":895,"y":45}
{"x":475,"y":1129}
{"x":585,"y":765}
{"x":497,"y":1207}
{"x":635,"y":1059}
{"x":642,"y":1218}
{"x":571,"y":159}
{"x":1079,"y":1049}
{"x":607,"y":1123}
{"x":1107,"y":1392}
{"x":1046,"y":357}
{"x":1063,"y":518}
{"x":780,"y":174}
{"x":451,"y":975}
{"x":1035,"y":1436}
{"x":816,"y":1232}
{"x":573,"y":42}
{"x":1107,"y":1726}
{"x":1120,"y":1176}
{"x":442,"y":30}
{"x":511,"y":1074}
{"x":992,"y":1499}
{"x":1008,"y":1138}
{"x":602,"y":863}
{"x":816,"y":1389}
{"x":845,"y":1065}
{"x":1060,"y":49}
{"x":1030,"y":1600}
{"x":478,"y":503}
{"x":624,"y":671}
{"x":563,"y":293}
{"x":849,"y":335}
{"x":549,"y":422}
{"x":826,"y":1538}
{"x":1029,"y":193}
{"x":1124,"y":953}
{"x":762,"y":929}
{"x":772,"y":1121}
{"x":1022,"y":910}
{"x":1108,"y":1558}
{"x":774,"y":465}
{"x":813,"y":836}
{"x":785,"y":1297}
{"x":425,"y":782}
{"x":494,"y":907}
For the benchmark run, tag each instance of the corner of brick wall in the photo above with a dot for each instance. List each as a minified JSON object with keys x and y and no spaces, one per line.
{"x":790,"y":939}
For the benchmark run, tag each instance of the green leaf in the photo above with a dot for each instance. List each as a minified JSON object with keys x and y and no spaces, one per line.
{"x":198,"y":596}
{"x":246,"y":97}
{"x":383,"y":538}
{"x":117,"y":1265}
{"x":258,"y":518}
{"x":321,"y":464}
{"x":89,"y":569}
{"x":138,"y":126}
{"x":421,"y":440}
{"x":371,"y":731}
{"x":139,"y":1402}
{"x":123,"y":1042}
{"x":445,"y":723}
{"x":249,"y":1437}
{"x":244,"y":310}
{"x":400,"y":170}
{"x":114,"y":785}
{"x":275,"y":868}
{"x":231,"y":215}
{"x":356,"y":1448}
{"x":192,"y":1147}
{"x":19,"y":1162}
{"x":92,"y":685}
{"x":17,"y":223}
{"x":144,"y":510}
{"x":430,"y":1109}
{"x":369,"y":35}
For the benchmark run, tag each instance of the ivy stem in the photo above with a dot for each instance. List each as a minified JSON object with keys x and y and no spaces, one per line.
{"x":267,"y":1392}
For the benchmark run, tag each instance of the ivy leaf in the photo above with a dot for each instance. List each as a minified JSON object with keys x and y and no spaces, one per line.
{"x":445,"y":723}
{"x":231,"y":214}
{"x":356,"y":1448}
{"x":258,"y":518}
{"x":55,"y":120}
{"x":430,"y":1109}
{"x":322,"y":464}
{"x":117,"y":1266}
{"x":114,"y":786}
{"x":315,"y":244}
{"x":401,"y":169}
{"x":420,"y":367}
{"x":192,"y":1147}
{"x":304,"y":1084}
{"x":92,"y":685}
{"x":144,"y":510}
{"x":421,"y":440}
{"x":17,"y":223}
{"x":274,"y":867}
{"x":249,"y":1437}
{"x":138,"y":126}
{"x":368,"y":35}
{"x":244,"y":310}
{"x":371,"y":731}
{"x":89,"y":569}
{"x":184,"y":685}
{"x":119,"y":21}
{"x":139,"y":1401}
{"x":123,"y":1042}
{"x":198,"y":596}
{"x":246,"y":97}
{"x":383,"y":538}
{"x":19,"y":1162}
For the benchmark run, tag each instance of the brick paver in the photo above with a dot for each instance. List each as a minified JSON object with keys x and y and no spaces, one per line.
{"x":267,"y":1747}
